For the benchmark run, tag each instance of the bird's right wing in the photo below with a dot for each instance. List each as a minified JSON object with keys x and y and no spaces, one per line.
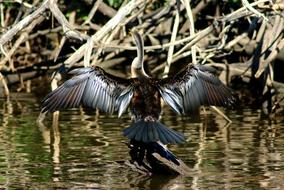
{"x":91,"y":87}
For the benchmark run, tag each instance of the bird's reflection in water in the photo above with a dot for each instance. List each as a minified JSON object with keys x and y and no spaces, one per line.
{"x":157,"y":182}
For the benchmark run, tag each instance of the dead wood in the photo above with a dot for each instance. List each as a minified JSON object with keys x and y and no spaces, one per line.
{"x":174,"y":35}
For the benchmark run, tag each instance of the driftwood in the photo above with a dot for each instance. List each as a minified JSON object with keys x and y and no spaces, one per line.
{"x":174,"y":32}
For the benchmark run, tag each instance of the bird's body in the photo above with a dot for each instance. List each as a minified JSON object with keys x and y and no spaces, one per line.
{"x":184,"y":92}
{"x":146,"y":101}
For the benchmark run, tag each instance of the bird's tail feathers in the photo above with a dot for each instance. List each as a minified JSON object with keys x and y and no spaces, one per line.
{"x":152,"y":131}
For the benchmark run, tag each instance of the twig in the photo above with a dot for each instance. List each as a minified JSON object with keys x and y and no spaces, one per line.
{"x":107,"y":10}
{"x":193,"y":39}
{"x":250,"y":8}
{"x":23,"y":23}
{"x":277,"y":6}
{"x":237,"y":39}
{"x":241,"y":12}
{"x":67,"y":29}
{"x":198,"y":36}
{"x":276,"y":105}
{"x":272,"y":43}
{"x":93,"y":11}
{"x":63,"y":39}
{"x":57,"y":52}
{"x":5,"y":86}
{"x":45,"y":32}
{"x":2,"y":22}
{"x":270,"y":58}
{"x":115,"y":31}
{"x":200,"y":6}
{"x":23,"y":37}
{"x":221,"y":113}
{"x":19,"y":14}
{"x":191,"y":29}
{"x":24,"y":3}
{"x":171,"y":48}
{"x":121,"y":14}
{"x":88,"y":52}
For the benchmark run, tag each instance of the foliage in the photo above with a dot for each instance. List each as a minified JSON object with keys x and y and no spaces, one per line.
{"x":114,"y":3}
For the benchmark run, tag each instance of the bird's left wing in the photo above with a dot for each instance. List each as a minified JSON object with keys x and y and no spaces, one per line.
{"x":91,"y":87}
{"x":193,"y":87}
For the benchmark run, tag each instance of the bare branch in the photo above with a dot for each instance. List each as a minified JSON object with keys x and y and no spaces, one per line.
{"x":23,"y":23}
{"x":121,"y":14}
{"x":171,"y":48}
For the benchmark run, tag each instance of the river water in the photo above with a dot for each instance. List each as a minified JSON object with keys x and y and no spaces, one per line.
{"x":85,"y":150}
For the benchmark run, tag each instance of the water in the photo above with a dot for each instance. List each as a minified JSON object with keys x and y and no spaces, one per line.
{"x":85,"y":150}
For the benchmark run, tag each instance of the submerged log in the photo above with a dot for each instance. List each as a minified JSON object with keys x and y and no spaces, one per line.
{"x":154,"y":158}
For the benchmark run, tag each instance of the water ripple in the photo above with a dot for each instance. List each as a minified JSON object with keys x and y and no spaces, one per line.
{"x":85,"y":150}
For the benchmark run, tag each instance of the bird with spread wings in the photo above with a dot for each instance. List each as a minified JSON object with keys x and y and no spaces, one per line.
{"x":92,"y":87}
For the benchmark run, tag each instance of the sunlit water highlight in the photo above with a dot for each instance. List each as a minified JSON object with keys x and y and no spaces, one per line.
{"x":85,"y":150}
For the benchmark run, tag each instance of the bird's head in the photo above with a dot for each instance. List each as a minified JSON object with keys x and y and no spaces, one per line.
{"x":137,"y":67}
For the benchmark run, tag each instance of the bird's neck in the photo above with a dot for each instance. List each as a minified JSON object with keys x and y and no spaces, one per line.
{"x":137,"y":68}
{"x":138,"y":73}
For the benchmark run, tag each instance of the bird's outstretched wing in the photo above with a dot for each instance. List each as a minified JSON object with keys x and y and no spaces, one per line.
{"x":193,"y":87}
{"x":91,"y":87}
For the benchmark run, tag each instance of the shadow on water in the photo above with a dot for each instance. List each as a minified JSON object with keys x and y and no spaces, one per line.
{"x":84,"y":150}
{"x":157,"y":182}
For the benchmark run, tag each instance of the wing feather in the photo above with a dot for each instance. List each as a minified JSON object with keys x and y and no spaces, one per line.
{"x":91,"y":87}
{"x":193,"y":87}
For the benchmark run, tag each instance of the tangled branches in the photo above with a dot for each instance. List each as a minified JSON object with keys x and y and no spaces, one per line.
{"x":249,"y":36}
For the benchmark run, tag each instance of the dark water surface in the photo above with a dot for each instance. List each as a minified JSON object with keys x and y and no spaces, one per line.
{"x":85,"y":150}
